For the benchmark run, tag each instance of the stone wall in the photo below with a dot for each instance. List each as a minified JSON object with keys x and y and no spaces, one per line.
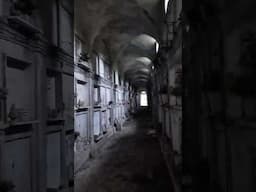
{"x":218,"y":104}
{"x":36,"y":86}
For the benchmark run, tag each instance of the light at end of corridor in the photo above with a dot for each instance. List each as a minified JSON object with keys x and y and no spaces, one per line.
{"x":143,"y":99}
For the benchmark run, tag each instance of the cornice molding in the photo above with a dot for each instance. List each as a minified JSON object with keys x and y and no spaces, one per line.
{"x":36,"y":43}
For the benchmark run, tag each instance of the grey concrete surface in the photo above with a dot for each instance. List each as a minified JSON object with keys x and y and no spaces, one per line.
{"x":131,"y":161}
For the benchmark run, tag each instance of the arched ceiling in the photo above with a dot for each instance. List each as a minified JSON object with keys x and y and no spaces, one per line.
{"x":125,"y":31}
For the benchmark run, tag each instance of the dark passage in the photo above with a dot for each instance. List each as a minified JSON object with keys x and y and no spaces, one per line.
{"x":131,"y":161}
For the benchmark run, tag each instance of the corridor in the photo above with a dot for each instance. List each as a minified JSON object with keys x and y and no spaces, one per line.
{"x":76,"y":74}
{"x":131,"y":161}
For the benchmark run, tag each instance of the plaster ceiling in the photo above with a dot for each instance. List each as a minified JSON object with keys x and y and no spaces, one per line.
{"x":124,"y":31}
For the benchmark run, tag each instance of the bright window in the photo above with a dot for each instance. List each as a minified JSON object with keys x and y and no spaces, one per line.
{"x":166,"y":5}
{"x":101,"y":67}
{"x":157,"y":47}
{"x":143,"y":99}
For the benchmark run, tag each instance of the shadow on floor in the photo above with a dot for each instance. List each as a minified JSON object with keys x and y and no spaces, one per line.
{"x":130,"y":162}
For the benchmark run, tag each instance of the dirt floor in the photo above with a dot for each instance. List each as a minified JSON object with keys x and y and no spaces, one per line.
{"x":131,"y":161}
